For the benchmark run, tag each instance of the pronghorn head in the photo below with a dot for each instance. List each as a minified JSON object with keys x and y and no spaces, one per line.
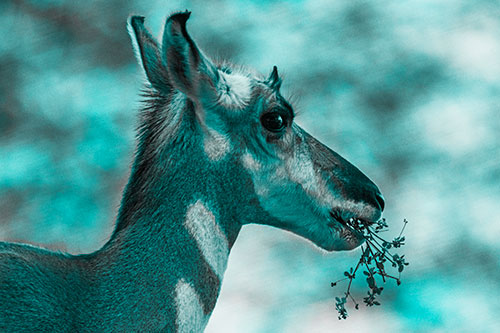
{"x":301,"y":185}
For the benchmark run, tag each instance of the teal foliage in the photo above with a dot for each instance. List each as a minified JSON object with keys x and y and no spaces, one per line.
{"x":407,"y":91}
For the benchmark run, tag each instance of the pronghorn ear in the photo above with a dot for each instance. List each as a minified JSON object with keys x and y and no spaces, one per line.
{"x":148,"y":53}
{"x":274,"y":80}
{"x":187,"y":67}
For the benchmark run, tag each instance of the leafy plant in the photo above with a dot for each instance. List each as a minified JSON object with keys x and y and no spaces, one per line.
{"x":375,"y":254}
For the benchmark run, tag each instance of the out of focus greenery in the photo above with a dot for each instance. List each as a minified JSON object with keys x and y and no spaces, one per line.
{"x":409,"y":91}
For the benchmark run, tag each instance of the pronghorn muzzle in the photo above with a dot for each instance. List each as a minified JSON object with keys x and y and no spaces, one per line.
{"x":359,"y":197}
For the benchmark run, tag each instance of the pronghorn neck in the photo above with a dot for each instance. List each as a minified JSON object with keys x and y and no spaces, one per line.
{"x":175,"y":227}
{"x":173,"y":171}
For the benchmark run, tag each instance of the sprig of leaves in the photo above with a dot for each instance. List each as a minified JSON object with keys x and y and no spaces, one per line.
{"x":376,"y":253}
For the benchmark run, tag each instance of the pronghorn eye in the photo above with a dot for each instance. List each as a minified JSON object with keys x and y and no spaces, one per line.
{"x":273,"y":121}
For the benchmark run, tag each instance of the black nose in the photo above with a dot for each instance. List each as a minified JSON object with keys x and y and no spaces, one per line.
{"x":380,"y":200}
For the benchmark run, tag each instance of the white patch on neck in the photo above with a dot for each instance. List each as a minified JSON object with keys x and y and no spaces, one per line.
{"x":201,"y":224}
{"x":234,"y":90}
{"x":249,"y":162}
{"x":216,"y":145}
{"x":190,"y":315}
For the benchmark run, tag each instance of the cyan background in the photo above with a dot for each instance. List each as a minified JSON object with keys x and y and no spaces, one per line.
{"x":408,"y":91}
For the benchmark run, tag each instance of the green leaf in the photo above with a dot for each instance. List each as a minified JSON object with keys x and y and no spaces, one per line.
{"x":371,"y":282}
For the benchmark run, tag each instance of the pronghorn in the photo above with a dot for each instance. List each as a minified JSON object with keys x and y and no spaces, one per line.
{"x":217,"y":149}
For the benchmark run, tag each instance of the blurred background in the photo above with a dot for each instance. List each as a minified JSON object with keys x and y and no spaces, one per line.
{"x":408,"y":91}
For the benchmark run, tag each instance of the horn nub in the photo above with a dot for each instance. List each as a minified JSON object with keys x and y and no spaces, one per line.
{"x":274,"y":80}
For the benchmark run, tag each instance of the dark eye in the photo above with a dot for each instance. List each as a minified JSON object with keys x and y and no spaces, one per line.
{"x":273,"y":121}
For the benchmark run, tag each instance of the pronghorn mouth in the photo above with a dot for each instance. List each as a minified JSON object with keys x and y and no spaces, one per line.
{"x":348,"y":221}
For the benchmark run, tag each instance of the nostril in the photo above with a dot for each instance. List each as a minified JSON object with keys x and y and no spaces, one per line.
{"x":380,"y":200}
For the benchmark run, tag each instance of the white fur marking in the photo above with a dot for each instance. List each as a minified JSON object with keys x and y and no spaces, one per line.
{"x":249,"y":162}
{"x":212,"y":242}
{"x":178,"y":101}
{"x":234,"y":90}
{"x":301,"y":169}
{"x":190,"y":316}
{"x":216,"y":145}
